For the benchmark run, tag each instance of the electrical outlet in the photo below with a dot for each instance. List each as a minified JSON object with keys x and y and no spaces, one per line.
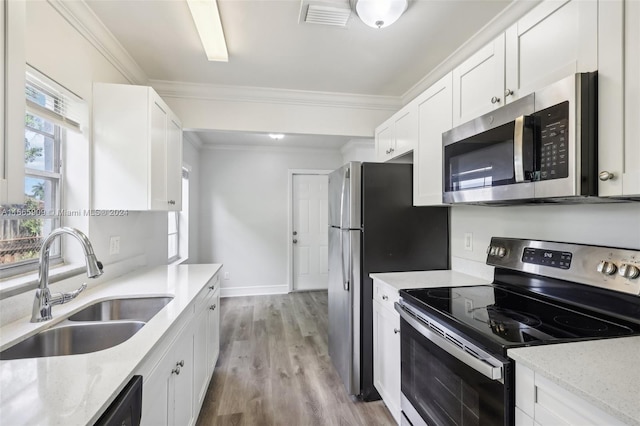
{"x":114,"y":245}
{"x":468,"y":241}
{"x":227,"y":276}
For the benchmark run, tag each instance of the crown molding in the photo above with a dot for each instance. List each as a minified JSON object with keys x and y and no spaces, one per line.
{"x":509,"y":15}
{"x":193,"y":139}
{"x":271,"y":148}
{"x":85,"y":21}
{"x":215,"y":92}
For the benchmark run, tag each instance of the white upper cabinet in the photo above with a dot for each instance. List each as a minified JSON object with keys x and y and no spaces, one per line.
{"x":435,"y":112}
{"x":619,"y":98}
{"x":137,"y":150}
{"x":554,"y":40}
{"x":478,"y":83}
{"x":398,"y":135}
{"x":12,"y":108}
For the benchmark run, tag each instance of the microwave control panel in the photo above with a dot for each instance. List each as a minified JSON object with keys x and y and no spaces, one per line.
{"x":554,"y":142}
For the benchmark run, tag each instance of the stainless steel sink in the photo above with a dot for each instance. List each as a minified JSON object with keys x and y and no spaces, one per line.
{"x":135,"y":309}
{"x":73,"y":339}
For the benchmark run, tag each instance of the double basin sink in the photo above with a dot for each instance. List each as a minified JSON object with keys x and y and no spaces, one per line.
{"x":99,"y":326}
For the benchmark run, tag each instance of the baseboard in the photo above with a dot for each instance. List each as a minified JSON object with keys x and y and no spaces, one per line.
{"x":253,"y":290}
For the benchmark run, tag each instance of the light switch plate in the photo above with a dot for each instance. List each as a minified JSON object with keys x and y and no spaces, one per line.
{"x":114,"y":245}
{"x":468,"y":241}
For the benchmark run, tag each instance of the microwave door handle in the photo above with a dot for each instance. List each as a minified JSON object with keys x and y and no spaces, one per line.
{"x":518,"y":149}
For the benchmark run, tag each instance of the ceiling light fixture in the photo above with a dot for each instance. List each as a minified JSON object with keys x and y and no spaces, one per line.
{"x":207,"y":19}
{"x":276,"y":136}
{"x":380,"y":13}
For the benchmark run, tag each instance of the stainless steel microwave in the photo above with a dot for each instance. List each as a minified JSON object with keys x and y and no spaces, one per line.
{"x":540,"y":147}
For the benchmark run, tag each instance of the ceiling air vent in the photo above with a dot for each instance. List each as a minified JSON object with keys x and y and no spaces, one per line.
{"x":335,"y":13}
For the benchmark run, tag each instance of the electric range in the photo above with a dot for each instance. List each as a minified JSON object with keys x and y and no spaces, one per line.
{"x":454,"y":340}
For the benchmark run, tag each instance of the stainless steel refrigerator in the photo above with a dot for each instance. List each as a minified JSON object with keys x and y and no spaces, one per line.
{"x":373,"y":227}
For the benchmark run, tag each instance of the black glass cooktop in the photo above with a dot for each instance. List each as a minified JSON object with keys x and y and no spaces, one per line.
{"x":511,"y":319}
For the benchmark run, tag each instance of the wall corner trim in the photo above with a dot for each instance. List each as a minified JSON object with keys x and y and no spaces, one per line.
{"x":84,"y":20}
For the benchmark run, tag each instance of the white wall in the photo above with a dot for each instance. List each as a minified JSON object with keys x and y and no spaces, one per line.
{"x":359,"y":150}
{"x":616,"y":225}
{"x":191,"y":157}
{"x":244,"y":213}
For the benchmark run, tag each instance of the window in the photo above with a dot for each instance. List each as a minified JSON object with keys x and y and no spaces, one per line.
{"x":178,"y":225}
{"x":48,"y":117}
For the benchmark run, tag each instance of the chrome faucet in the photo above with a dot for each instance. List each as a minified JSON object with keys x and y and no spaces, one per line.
{"x":44,"y":300}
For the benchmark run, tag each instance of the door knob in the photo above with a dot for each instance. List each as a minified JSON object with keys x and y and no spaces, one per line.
{"x":295,"y":241}
{"x":605,"y":176}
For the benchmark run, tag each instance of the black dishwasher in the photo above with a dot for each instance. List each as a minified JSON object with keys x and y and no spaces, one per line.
{"x":126,"y":409}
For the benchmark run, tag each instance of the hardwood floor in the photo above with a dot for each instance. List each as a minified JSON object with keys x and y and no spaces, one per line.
{"x":274,"y":367}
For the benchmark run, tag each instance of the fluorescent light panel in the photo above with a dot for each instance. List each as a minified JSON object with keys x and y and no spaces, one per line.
{"x":207,"y":19}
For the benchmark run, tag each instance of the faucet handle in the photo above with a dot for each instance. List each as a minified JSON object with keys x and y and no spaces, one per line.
{"x":60,"y":298}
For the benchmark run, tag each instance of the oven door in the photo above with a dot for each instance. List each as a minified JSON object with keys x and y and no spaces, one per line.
{"x":443,"y":384}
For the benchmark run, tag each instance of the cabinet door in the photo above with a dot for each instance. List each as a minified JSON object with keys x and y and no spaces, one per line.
{"x":554,"y":40}
{"x":478,"y":83}
{"x":406,"y":130}
{"x":435,"y":111}
{"x":386,"y":357}
{"x":631,"y":177}
{"x":385,"y":139}
{"x":158,"y":156}
{"x":183,"y":380}
{"x":174,"y":164}
{"x":213,"y":331}
{"x":12,"y":108}
{"x":157,"y":400}
{"x":200,"y":359}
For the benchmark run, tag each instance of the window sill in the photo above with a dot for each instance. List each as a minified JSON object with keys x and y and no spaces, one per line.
{"x":15,"y":285}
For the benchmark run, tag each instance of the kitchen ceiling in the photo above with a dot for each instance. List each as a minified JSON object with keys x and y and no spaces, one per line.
{"x":270,"y":48}
{"x":222,"y":139}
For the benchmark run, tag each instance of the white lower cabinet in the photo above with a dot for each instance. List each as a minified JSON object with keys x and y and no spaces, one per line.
{"x":540,"y":402}
{"x":386,"y":354}
{"x":177,"y":374}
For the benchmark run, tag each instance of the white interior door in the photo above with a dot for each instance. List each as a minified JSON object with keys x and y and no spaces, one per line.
{"x":310,"y":232}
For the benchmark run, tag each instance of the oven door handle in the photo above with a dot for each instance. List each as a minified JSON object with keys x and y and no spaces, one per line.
{"x":480,"y":365}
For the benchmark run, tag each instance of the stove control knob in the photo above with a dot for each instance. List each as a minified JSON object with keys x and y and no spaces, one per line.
{"x":501,"y":252}
{"x":629,"y":271}
{"x":607,"y":268}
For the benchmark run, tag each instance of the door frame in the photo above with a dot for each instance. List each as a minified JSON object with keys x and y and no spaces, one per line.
{"x":292,"y":173}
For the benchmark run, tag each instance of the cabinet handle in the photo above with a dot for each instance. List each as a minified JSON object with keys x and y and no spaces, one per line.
{"x":213,"y":307}
{"x":396,"y":330}
{"x":385,"y":297}
{"x":391,"y":150}
{"x":495,"y":100}
{"x":388,"y":152}
{"x":212,"y":287}
{"x":172,"y":202}
{"x":605,"y":176}
{"x":507,"y":93}
{"x":181,"y":363}
{"x":176,"y":371}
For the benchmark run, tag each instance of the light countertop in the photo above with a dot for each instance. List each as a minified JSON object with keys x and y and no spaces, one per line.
{"x":427,"y":279}
{"x":76,"y":389}
{"x":603,"y":372}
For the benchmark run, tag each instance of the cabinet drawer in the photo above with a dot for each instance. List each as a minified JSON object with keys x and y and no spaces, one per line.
{"x":207,"y":291}
{"x":385,"y":294}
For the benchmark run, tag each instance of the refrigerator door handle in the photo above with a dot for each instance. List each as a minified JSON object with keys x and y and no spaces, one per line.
{"x":345,"y":279}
